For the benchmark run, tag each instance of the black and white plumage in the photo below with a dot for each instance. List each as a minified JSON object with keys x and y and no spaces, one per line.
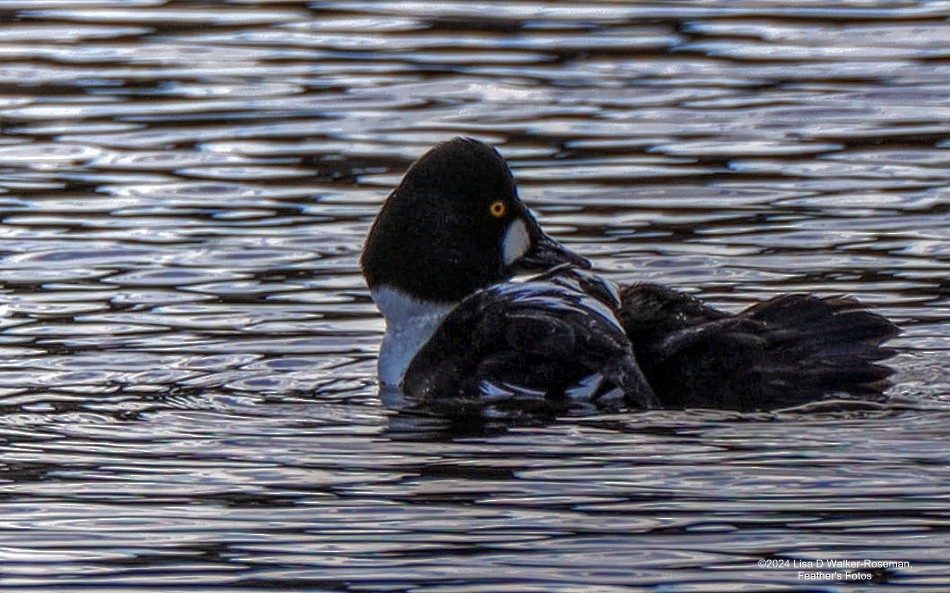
{"x":553,"y":342}
{"x":463,"y":339}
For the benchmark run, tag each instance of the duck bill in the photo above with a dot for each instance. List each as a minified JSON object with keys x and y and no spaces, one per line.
{"x":546,"y":253}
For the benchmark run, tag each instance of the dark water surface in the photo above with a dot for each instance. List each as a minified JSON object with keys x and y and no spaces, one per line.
{"x":187,"y":350}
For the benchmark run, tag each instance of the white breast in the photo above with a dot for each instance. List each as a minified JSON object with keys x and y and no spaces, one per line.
{"x":410,"y":323}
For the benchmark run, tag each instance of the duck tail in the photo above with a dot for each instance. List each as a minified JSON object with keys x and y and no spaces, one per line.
{"x":830,"y":344}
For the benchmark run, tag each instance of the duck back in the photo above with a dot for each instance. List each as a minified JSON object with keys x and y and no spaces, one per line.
{"x":783,"y":352}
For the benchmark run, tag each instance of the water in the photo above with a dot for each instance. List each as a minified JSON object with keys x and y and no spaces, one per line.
{"x":187,"y":350}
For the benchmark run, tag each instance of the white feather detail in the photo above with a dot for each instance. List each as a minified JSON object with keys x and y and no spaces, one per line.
{"x":410,"y":322}
{"x":516,"y":242}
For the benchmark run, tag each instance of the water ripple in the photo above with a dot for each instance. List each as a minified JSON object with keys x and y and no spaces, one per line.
{"x":187,"y":349}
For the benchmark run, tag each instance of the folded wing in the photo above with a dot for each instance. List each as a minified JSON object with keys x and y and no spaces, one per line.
{"x":546,"y":341}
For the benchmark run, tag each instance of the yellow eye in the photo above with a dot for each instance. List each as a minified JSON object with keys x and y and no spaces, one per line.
{"x":498,"y":209}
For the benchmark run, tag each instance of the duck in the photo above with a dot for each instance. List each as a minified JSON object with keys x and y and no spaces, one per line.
{"x":487,"y":314}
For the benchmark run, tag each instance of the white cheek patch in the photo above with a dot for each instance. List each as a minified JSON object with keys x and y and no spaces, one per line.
{"x":516,"y":242}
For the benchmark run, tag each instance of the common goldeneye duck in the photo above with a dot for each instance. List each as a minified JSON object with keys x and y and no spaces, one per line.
{"x":461,"y":337}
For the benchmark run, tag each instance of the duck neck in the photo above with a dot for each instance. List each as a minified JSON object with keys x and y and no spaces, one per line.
{"x":410,"y":322}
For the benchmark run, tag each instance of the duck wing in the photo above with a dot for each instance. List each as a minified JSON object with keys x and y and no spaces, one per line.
{"x":544,"y":341}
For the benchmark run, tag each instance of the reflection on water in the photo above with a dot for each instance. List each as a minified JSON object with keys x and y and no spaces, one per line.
{"x":187,"y":350}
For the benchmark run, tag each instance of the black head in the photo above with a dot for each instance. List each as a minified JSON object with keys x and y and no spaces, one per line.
{"x":454,"y":225}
